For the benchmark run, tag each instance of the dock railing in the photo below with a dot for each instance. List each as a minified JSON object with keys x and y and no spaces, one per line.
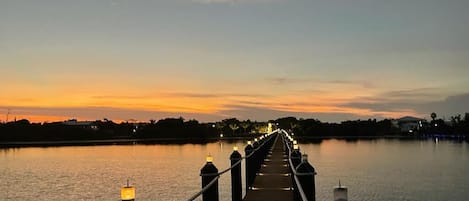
{"x":255,"y":152}
{"x":302,"y":173}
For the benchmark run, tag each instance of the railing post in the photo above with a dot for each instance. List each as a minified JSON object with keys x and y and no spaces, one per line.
{"x":236,"y":186}
{"x":256,"y":156}
{"x":295,"y":156}
{"x":250,"y":169}
{"x":340,"y":193}
{"x":208,"y":173}
{"x":305,"y":175}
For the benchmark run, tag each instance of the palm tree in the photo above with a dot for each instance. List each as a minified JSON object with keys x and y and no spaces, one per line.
{"x":234,"y":127}
{"x":244,"y":125}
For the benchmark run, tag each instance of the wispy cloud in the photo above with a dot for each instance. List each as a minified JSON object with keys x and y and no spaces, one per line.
{"x":232,"y":1}
{"x":364,"y":84}
{"x":296,"y":80}
{"x":266,"y":113}
{"x":211,"y":95}
{"x":286,"y":80}
{"x":38,"y":114}
{"x":197,"y":95}
{"x":420,"y":102}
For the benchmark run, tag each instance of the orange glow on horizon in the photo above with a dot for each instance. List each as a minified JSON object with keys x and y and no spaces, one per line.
{"x":173,"y":101}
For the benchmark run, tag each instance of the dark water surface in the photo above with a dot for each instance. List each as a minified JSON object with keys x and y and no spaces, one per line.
{"x":380,"y":169}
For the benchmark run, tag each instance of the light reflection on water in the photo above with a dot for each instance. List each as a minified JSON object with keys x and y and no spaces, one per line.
{"x":372,"y":170}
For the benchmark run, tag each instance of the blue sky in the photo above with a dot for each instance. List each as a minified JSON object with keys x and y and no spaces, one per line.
{"x":257,"y":59}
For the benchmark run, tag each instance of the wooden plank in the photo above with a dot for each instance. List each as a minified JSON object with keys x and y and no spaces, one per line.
{"x":273,"y":182}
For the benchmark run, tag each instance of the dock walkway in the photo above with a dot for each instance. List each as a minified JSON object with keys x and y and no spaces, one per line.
{"x":273,"y":182}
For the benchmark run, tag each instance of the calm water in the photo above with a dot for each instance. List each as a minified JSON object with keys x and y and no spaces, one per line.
{"x":372,"y":169}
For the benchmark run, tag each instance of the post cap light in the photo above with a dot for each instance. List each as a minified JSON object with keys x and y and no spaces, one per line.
{"x":255,"y":139}
{"x":249,"y":142}
{"x":295,"y":147}
{"x":209,"y":158}
{"x":235,"y":148}
{"x":295,"y":142}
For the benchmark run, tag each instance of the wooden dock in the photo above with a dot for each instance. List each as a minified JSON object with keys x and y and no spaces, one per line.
{"x":273,"y":182}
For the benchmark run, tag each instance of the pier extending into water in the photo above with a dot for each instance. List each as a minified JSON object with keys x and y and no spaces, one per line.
{"x":273,"y":180}
{"x":275,"y":170}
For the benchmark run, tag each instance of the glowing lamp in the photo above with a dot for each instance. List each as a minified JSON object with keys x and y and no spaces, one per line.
{"x":235,"y":148}
{"x":209,"y":158}
{"x":221,"y":135}
{"x":295,"y":142}
{"x":128,"y":192}
{"x":255,"y":139}
{"x":249,"y":142}
{"x":295,"y":147}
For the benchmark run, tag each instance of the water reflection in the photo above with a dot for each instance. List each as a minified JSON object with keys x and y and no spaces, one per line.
{"x":377,"y":169}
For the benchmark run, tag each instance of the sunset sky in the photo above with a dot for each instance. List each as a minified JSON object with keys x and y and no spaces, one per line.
{"x":251,"y":59}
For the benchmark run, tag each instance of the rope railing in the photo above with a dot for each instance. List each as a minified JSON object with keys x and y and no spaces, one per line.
{"x":195,"y":196}
{"x":295,"y":173}
{"x":219,"y":174}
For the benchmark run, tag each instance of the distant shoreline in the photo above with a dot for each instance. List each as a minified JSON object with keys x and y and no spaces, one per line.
{"x":19,"y":144}
{"x":13,"y":144}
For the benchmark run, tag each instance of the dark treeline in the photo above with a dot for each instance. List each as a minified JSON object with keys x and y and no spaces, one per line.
{"x":178,"y":128}
{"x":457,"y":126}
{"x":23,"y":130}
{"x":316,"y":128}
{"x":169,"y":128}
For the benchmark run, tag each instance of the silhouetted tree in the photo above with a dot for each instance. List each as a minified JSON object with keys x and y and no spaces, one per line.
{"x":234,"y":127}
{"x":433,"y":116}
{"x":244,"y":125}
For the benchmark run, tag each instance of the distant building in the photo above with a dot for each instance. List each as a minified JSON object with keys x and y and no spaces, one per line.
{"x":83,"y":124}
{"x":269,"y":128}
{"x":409,"y":124}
